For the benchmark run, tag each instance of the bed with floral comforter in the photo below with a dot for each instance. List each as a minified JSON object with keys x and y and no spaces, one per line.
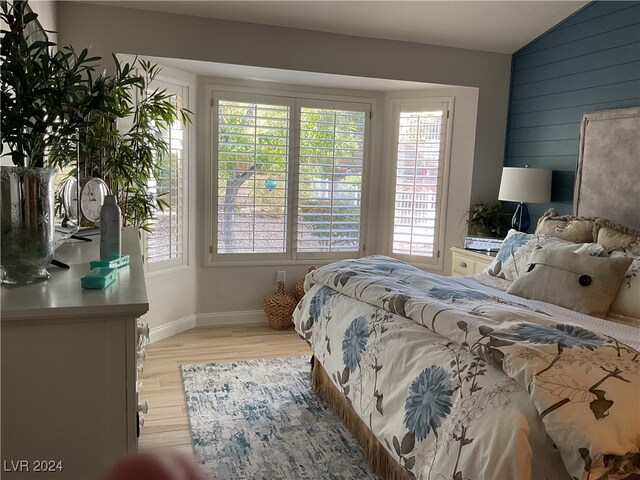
{"x":458,"y":382}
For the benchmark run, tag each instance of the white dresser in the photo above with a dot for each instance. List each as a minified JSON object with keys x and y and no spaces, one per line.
{"x":69,"y":368}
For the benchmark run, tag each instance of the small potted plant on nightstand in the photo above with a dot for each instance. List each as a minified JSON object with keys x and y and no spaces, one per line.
{"x":487,"y":220}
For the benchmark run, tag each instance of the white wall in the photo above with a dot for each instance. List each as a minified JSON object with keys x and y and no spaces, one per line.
{"x":476,"y":162}
{"x":112,"y":29}
{"x":172,"y":294}
{"x":46,"y":10}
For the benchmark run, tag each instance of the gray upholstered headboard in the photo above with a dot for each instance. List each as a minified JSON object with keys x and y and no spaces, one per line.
{"x":608,"y":177}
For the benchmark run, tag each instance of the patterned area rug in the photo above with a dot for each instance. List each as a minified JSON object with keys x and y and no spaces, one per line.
{"x":259,"y":420}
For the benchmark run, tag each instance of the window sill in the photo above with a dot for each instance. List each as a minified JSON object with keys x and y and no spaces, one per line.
{"x":165,"y":271}
{"x":270,"y":263}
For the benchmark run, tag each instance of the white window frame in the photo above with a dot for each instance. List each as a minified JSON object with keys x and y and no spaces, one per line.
{"x":178,"y":87}
{"x":297,"y":98}
{"x":421,"y":104}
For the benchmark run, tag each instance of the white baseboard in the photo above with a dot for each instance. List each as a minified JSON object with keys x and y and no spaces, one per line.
{"x":242,"y":317}
{"x":172,"y":328}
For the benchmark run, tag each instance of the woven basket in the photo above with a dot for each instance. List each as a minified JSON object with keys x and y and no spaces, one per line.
{"x":279,"y":307}
{"x":298,"y":287}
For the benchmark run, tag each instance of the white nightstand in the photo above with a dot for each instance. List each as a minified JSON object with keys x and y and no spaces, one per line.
{"x":467,"y":262}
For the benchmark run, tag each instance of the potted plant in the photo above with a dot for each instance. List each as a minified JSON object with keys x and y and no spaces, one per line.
{"x":45,"y":97}
{"x":129,"y":159}
{"x":54,"y":110}
{"x":487,"y":220}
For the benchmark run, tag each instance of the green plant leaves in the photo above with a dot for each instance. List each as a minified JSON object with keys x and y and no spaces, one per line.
{"x":44,"y":92}
{"x":487,"y":219}
{"x":54,"y":103}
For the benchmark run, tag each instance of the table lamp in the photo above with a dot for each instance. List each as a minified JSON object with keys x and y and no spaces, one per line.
{"x":524,"y":184}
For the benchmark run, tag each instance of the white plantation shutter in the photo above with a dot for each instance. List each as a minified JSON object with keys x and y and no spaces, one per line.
{"x":420,"y":147}
{"x":288,"y":175}
{"x":331,"y":150}
{"x":252,"y":141}
{"x":166,"y":242}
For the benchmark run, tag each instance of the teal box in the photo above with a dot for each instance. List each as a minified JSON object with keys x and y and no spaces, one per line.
{"x":112,"y":261}
{"x":99,"y":278}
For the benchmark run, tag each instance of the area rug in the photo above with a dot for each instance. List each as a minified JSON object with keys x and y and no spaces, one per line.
{"x":258,"y":420}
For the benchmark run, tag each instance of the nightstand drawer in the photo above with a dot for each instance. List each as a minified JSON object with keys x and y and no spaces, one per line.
{"x":467,"y":262}
{"x":462,"y":266}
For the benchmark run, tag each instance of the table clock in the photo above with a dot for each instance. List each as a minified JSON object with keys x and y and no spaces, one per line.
{"x":92,"y":197}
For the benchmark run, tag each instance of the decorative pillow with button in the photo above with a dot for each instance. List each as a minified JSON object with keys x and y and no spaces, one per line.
{"x":579,"y":282}
{"x":513,"y":257}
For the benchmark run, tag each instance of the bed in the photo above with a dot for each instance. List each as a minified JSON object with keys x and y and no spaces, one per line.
{"x":454,"y":377}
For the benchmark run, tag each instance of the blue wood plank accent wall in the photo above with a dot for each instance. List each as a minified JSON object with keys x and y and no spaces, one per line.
{"x":589,"y":62}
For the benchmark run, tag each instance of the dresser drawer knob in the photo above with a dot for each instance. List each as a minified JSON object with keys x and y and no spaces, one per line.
{"x":142,"y":342}
{"x":143,"y":329}
{"x":143,"y":407}
{"x":463,"y":264}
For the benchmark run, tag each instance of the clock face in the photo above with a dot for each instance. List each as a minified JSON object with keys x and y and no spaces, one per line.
{"x":91,"y":199}
{"x":69,"y":196}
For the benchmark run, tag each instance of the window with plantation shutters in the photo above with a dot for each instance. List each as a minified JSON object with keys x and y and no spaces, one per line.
{"x":331,"y":157}
{"x":165,"y":243}
{"x":419,"y":159}
{"x":252,"y":176}
{"x":288,"y":175}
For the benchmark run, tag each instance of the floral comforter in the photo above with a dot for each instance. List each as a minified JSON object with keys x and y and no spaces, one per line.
{"x":457,"y":383}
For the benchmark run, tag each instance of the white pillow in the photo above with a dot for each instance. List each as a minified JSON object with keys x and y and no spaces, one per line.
{"x":627,"y":300}
{"x":513,"y":257}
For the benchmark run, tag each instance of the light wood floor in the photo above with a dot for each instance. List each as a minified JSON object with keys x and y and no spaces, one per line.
{"x":166,"y":426}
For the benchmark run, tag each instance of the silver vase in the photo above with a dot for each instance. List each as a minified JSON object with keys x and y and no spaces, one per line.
{"x":27,"y":224}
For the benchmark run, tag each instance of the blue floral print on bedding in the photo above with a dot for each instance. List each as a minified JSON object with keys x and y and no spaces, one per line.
{"x":563,"y":335}
{"x":428,"y":402}
{"x":355,"y":341}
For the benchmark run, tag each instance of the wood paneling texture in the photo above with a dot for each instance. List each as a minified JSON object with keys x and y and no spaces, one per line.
{"x":589,"y":62}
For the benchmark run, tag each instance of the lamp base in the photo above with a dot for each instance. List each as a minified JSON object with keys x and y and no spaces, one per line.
{"x":521,"y":220}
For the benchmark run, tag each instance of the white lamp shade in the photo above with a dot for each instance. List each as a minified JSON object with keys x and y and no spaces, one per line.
{"x":527,"y":185}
